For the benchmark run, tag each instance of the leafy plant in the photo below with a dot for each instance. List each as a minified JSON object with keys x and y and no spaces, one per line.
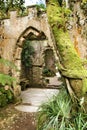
{"x":41,"y":6}
{"x":47,"y":72}
{"x":54,"y":114}
{"x":6,"y":79}
{"x":7,"y":5}
{"x":60,"y":16}
{"x":79,"y":122}
{"x":40,"y":9}
{"x":6,"y":94}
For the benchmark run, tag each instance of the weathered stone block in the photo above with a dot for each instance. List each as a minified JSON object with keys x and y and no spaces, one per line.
{"x":18,"y":54}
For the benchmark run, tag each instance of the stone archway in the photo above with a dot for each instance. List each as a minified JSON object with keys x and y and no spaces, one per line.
{"x":39,"y":42}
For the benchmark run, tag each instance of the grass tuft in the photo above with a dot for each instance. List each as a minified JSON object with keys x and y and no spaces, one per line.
{"x":56,"y":114}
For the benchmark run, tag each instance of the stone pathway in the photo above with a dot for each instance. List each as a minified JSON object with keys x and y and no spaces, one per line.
{"x":32,"y":98}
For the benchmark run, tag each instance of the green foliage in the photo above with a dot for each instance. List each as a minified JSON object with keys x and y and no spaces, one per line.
{"x":47,"y":72}
{"x":27,"y":53}
{"x":6,"y":6}
{"x":56,"y":114}
{"x":6,"y":79}
{"x":41,"y":6}
{"x":6,"y":96}
{"x":58,"y":15}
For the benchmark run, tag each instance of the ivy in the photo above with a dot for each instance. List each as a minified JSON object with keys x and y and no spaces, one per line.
{"x":27,"y":54}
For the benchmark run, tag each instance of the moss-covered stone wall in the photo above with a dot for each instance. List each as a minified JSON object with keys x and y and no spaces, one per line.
{"x":70,"y":64}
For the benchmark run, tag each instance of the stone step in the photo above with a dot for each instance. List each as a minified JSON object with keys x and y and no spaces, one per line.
{"x":54,"y":82}
{"x":32,"y":98}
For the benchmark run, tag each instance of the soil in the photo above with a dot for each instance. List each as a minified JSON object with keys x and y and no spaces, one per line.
{"x":11,"y":119}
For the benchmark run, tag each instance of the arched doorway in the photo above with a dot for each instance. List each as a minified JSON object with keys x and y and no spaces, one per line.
{"x":37,"y":40}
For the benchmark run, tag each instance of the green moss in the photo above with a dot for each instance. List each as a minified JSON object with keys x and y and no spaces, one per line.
{"x":69,"y":57}
{"x":71,"y":64}
{"x":84,"y":1}
{"x":27,"y":53}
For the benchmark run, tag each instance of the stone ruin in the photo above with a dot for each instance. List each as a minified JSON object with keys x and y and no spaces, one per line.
{"x":14,"y":31}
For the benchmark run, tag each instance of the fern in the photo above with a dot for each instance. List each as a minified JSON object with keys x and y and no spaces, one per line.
{"x":6,"y":79}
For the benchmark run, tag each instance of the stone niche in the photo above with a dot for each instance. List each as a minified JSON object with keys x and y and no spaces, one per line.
{"x":49,"y":60}
{"x":43,"y":58}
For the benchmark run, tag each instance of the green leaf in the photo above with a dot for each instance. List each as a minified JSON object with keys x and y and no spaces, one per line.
{"x":6,"y":79}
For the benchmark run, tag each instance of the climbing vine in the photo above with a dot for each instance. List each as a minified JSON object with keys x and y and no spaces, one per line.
{"x":27,"y":54}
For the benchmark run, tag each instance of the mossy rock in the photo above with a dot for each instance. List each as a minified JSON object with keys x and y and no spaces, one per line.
{"x":70,"y":65}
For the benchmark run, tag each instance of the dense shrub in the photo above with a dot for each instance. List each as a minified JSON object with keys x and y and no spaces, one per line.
{"x":6,"y":81}
{"x":6,"y":96}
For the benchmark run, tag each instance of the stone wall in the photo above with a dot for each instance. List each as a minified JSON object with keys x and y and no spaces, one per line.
{"x":15,"y":30}
{"x":78,"y":27}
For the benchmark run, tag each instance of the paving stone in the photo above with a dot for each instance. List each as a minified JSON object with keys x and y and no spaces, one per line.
{"x":32,"y":98}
